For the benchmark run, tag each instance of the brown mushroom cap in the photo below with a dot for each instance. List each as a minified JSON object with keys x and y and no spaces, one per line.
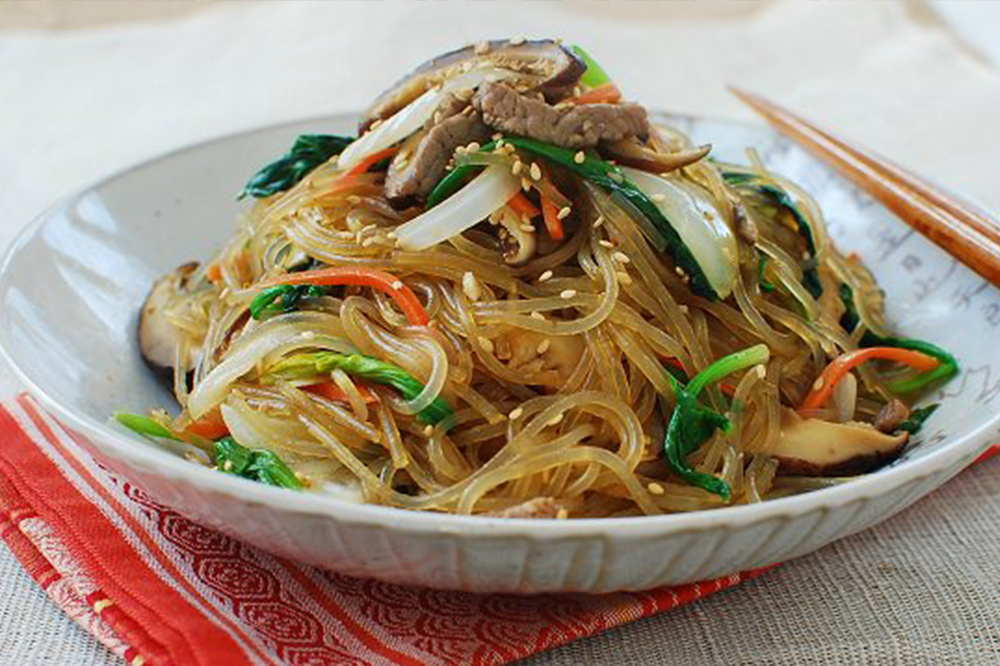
{"x":158,"y":337}
{"x":813,"y":447}
{"x":558,"y":67}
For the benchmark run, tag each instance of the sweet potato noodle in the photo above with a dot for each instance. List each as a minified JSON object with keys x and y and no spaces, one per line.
{"x":538,"y":347}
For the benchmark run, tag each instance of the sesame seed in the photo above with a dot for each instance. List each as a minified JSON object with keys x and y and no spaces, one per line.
{"x":472,"y":147}
{"x":599,"y":221}
{"x":562,"y":514}
{"x":471,"y":286}
{"x":579,"y":157}
{"x":486,"y":344}
{"x":623,"y":277}
{"x":535,"y":314}
{"x":564,"y":212}
{"x":528,"y":228}
{"x":543,"y":346}
{"x":397,"y":285}
{"x":308,"y":335}
{"x":818,"y":384}
{"x":354,"y":199}
{"x":556,"y":420}
{"x":620,"y":257}
{"x":683,"y":308}
{"x":656,"y":488}
{"x":368,"y":242}
{"x":228,"y":465}
{"x":568,"y":294}
{"x":525,"y":184}
{"x":516,"y":169}
{"x":547,"y":275}
{"x":536,"y":171}
{"x":391,"y":235}
{"x":515,"y":413}
{"x":761,"y":372}
{"x":658,"y":197}
{"x":428,"y":430}
{"x":605,"y":243}
{"x":517,"y":41}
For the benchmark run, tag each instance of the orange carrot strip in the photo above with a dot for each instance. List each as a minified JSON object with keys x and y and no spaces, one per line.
{"x":522,"y":206}
{"x":214,"y":273}
{"x":370,"y":161}
{"x":550,"y":213}
{"x":331,"y":391}
{"x":843,"y":364}
{"x":364,"y":277}
{"x":605,"y":94}
{"x":209,"y":426}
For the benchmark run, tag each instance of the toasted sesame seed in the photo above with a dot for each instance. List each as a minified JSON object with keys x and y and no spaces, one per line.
{"x":579,"y":158}
{"x":354,"y":199}
{"x":555,"y":420}
{"x":486,"y":344}
{"x":656,"y":488}
{"x":428,"y":430}
{"x":525,"y":184}
{"x":620,"y":257}
{"x":761,"y":372}
{"x":605,"y":243}
{"x":515,"y":413}
{"x":536,"y":171}
{"x":547,"y":275}
{"x":658,"y":197}
{"x":397,"y":285}
{"x":568,"y":294}
{"x":228,"y":465}
{"x":683,"y":308}
{"x":562,"y":514}
{"x":535,"y":314}
{"x":818,"y":384}
{"x":472,"y":147}
{"x":528,"y":228}
{"x":516,"y":169}
{"x":564,"y":212}
{"x":543,"y":346}
{"x":368,"y":242}
{"x":471,"y":286}
{"x":599,"y":221}
{"x":391,"y":235}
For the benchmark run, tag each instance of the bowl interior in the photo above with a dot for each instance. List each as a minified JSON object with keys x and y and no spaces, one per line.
{"x":72,"y":285}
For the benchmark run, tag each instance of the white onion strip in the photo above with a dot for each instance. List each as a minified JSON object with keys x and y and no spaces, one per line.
{"x":488,"y":192}
{"x":412,"y":117}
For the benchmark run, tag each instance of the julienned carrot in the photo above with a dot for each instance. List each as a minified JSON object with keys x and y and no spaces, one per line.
{"x":333,"y":392}
{"x":373,"y":159}
{"x":606,"y":94}
{"x":362,"y":277}
{"x":550,"y":213}
{"x":209,"y":426}
{"x":214,"y":273}
{"x":843,"y":364}
{"x":522,"y":206}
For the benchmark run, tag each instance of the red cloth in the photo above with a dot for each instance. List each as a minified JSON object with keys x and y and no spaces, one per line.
{"x":158,"y":589}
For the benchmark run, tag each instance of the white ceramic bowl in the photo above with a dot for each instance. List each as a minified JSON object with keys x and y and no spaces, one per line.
{"x":71,"y":286}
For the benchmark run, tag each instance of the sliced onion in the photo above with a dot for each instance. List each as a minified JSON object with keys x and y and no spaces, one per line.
{"x":488,"y":192}
{"x":274,"y":337}
{"x":412,"y":117}
{"x":698,"y":222}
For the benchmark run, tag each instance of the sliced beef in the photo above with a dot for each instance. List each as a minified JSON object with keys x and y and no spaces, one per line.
{"x":420,"y":164}
{"x":570,"y":126}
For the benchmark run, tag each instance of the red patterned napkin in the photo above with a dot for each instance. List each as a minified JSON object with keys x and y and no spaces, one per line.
{"x":158,"y":589}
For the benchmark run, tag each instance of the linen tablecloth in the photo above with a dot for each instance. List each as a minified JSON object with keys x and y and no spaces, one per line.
{"x":923,"y":588}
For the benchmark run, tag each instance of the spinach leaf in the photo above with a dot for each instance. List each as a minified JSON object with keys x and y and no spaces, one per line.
{"x":691,"y":424}
{"x":308,"y":152}
{"x":258,"y":465}
{"x":291,"y":295}
{"x":301,"y":366}
{"x":916,"y":420}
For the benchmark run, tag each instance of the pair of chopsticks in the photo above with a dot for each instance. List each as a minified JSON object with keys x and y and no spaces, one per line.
{"x":967,"y":234}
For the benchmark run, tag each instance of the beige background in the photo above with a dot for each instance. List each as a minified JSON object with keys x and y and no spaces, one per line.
{"x":90,"y":87}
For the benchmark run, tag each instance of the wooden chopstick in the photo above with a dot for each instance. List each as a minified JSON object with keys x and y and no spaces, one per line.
{"x":959,"y":229}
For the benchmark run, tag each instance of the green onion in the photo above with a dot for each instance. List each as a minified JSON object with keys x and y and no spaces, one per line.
{"x":595,"y":75}
{"x":290,"y":296}
{"x":691,"y":425}
{"x":916,"y":420}
{"x":144,"y":425}
{"x":301,"y":366}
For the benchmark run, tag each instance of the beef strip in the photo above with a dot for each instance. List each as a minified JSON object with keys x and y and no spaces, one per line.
{"x":569,"y":125}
